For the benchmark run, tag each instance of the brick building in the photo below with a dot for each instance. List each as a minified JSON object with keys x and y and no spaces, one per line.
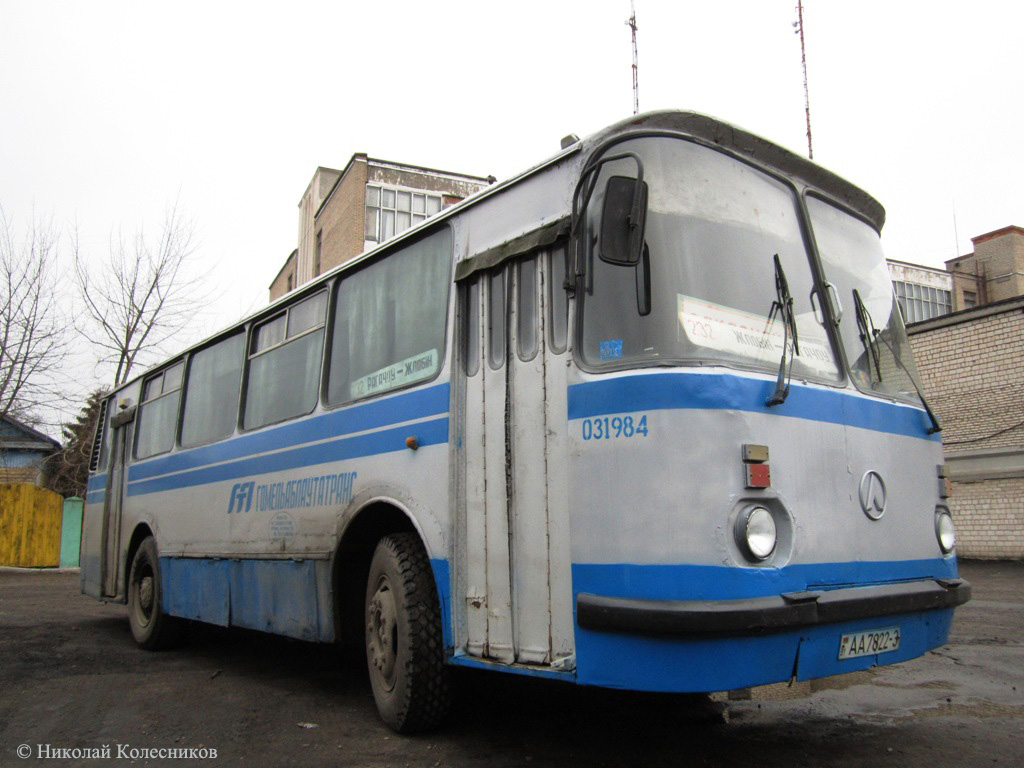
{"x":344,"y":212}
{"x":966,"y":326}
{"x":995,"y":271}
{"x":972,"y":368}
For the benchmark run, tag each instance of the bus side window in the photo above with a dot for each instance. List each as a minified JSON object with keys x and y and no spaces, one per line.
{"x":496,"y":318}
{"x":471,"y":335}
{"x":211,"y":392}
{"x":285,"y":358}
{"x":390,"y":320}
{"x":558,"y":300}
{"x":526,"y":309}
{"x":158,"y":413}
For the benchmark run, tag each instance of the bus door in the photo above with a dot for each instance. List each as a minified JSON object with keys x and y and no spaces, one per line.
{"x":515,"y":565}
{"x":110,"y":547}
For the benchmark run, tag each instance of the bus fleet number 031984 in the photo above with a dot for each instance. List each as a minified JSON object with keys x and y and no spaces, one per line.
{"x":611,"y":427}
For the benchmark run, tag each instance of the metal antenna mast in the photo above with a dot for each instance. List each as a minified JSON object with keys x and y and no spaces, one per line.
{"x":803,"y":60}
{"x":631,"y":23}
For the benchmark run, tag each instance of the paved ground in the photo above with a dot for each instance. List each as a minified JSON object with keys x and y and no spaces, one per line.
{"x":71,"y":678}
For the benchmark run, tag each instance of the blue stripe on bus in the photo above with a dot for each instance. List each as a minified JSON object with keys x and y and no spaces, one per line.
{"x":282,"y":596}
{"x":715,"y":582}
{"x":717,"y":391}
{"x":285,"y":597}
{"x":443,"y":582}
{"x":96,"y":488}
{"x":408,"y":406}
{"x":427,"y":433}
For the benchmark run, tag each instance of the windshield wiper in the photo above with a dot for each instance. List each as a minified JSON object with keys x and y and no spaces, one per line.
{"x":867,"y":328}
{"x":783,"y":306}
{"x":868,"y":333}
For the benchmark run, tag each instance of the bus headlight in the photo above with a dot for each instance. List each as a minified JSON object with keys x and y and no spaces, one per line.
{"x":756,"y":532}
{"x":945,"y":531}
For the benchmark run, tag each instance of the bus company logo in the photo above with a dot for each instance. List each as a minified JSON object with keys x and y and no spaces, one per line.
{"x":872,"y":495}
{"x":241,"y":497}
{"x":317,"y":491}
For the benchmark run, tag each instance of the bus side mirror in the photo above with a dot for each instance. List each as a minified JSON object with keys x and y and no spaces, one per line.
{"x":622,"y":221}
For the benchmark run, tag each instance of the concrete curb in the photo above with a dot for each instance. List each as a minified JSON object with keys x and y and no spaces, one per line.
{"x":16,"y":569}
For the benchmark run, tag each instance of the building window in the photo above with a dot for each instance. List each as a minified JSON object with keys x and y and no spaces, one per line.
{"x":317,"y":260}
{"x":970,"y":299}
{"x":391,"y":210}
{"x":922,"y":302}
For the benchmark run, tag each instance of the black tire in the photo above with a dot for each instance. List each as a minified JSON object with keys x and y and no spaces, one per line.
{"x":404,"y":642}
{"x":152,"y":629}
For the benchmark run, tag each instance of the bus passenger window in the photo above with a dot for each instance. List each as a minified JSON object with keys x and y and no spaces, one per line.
{"x":558,"y":299}
{"x":471,"y":336}
{"x":284,"y":364}
{"x":211,"y":392}
{"x":526,"y":314}
{"x":306,"y":315}
{"x":158,"y":413}
{"x":390,"y":319}
{"x":270,"y":334}
{"x":496,"y":319}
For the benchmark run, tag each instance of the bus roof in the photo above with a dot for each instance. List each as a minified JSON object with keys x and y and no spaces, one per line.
{"x":703,"y":128}
{"x":716,"y":132}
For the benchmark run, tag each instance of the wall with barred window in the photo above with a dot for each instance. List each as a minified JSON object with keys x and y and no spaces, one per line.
{"x":343,"y":213}
{"x":972,"y":368}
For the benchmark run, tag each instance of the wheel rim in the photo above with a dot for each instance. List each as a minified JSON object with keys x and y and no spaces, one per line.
{"x":382,"y":631}
{"x":144,"y":596}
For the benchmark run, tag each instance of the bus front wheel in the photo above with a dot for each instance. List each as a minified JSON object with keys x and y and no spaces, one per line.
{"x":404,"y":641}
{"x":151,"y":628}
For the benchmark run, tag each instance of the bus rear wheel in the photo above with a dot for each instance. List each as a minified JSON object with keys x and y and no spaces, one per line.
{"x":404,"y":641}
{"x":151,"y":628}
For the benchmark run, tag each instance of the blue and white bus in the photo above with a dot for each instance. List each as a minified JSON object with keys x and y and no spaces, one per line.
{"x":644,"y":416}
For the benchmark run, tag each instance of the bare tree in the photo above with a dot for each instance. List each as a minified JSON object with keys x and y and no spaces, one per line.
{"x":142,"y":296}
{"x":33,"y":341}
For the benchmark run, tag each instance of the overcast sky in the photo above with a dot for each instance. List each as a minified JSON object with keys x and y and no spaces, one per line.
{"x":109,"y":111}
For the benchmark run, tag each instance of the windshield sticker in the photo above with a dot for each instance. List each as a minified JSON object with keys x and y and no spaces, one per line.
{"x":745,"y":334}
{"x":412,"y":369}
{"x":611,"y":350}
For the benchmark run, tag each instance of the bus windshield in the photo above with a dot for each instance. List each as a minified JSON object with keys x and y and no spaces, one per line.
{"x":714,"y":228}
{"x":871,"y":326}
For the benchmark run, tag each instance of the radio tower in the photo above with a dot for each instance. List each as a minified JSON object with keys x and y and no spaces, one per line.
{"x":803,"y":60}
{"x":631,"y":23}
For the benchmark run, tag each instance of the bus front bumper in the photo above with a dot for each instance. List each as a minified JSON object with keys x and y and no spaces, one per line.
{"x":764,"y":615}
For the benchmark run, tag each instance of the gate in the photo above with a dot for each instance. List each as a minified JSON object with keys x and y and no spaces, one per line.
{"x":30,"y":524}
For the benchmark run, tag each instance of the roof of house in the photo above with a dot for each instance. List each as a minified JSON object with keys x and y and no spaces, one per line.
{"x":14,"y":434}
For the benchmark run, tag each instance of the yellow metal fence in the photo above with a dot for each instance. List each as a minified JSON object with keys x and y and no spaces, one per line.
{"x":30,"y":523}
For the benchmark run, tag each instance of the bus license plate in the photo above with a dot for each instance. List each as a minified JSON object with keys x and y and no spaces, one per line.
{"x":869,"y":643}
